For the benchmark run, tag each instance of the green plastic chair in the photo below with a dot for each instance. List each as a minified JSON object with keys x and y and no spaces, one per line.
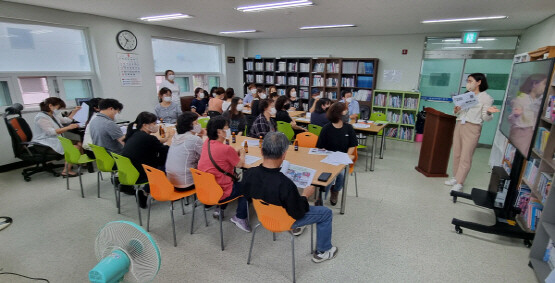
{"x":203,"y":121}
{"x":128,"y":176}
{"x":105,"y":163}
{"x":245,"y":132}
{"x":286,"y":129}
{"x":315,"y":129}
{"x":73,"y":156}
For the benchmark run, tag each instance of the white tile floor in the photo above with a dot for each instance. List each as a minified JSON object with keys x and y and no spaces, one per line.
{"x":398,"y":230}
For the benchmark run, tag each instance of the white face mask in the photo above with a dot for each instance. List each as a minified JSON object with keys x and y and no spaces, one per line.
{"x":239,"y":107}
{"x":262,"y":96}
{"x":293,"y":94}
{"x":253,"y":91}
{"x":57,"y":112}
{"x":349,"y":100}
{"x":319,"y":96}
{"x":273,"y":111}
{"x":228,"y":133}
{"x":154,"y":128}
{"x":171,"y":77}
{"x":196,"y":128}
{"x":201,"y":95}
{"x":214,"y":95}
{"x":167,"y":98}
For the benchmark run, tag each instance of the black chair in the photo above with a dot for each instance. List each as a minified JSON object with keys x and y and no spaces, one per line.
{"x":24,"y":148}
{"x":364,"y":112}
{"x":213,"y":114}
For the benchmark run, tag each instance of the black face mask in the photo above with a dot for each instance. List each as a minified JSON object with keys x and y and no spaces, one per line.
{"x":273,"y":93}
{"x":287,"y":106}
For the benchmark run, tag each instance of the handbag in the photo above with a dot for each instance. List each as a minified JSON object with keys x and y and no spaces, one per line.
{"x":233,"y":176}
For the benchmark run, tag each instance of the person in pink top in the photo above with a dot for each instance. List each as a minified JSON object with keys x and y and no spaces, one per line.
{"x":215,"y":104}
{"x":220,"y":159}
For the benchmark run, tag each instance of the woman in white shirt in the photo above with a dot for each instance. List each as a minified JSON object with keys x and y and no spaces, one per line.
{"x":229,"y":94}
{"x":184,"y":152}
{"x":49,"y":125}
{"x":468,"y":129}
{"x":172,"y":85}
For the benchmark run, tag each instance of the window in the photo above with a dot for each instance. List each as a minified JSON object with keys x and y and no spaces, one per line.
{"x":5,"y":98}
{"x":206,"y":81}
{"x":77,"y":88}
{"x":183,"y":83}
{"x":33,"y":89}
{"x":185,"y":57}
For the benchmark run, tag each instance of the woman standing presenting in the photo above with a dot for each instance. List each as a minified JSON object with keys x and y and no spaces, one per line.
{"x":468,"y":129}
{"x":172,"y":85}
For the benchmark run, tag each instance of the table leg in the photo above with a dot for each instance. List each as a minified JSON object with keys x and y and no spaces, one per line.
{"x":375,"y":139}
{"x":344,"y":194}
{"x":381,"y":147}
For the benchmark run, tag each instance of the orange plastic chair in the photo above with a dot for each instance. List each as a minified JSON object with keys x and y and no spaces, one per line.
{"x":352,"y":170}
{"x":307,"y":139}
{"x":161,"y":189}
{"x":209,"y":192}
{"x":276,"y":220}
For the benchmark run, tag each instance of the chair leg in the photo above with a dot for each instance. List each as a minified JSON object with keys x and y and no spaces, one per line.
{"x":138,"y":207}
{"x":205,"y":219}
{"x":187,"y":201}
{"x":193,"y":217}
{"x":80,"y":180}
{"x":356,"y":183}
{"x":293,"y":256}
{"x":101,"y":177}
{"x":173,"y":225}
{"x":252,"y":242}
{"x":221,"y":231}
{"x":118,"y":199}
{"x":182,"y":207}
{"x":66,"y":168}
{"x":311,"y":238}
{"x":98,"y":176}
{"x":148,"y":214}
{"x":274,"y":236}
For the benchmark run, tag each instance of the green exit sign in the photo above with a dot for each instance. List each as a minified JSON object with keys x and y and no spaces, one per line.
{"x":470,"y":37}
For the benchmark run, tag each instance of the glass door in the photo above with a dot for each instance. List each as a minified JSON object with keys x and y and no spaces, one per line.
{"x":439,"y":80}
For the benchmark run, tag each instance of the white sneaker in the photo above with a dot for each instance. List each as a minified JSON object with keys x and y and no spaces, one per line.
{"x":457,"y":188}
{"x":329,"y":254}
{"x":451,"y":182}
{"x":298,"y":231}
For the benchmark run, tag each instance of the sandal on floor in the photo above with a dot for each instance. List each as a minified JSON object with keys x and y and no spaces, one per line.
{"x":65,"y":175}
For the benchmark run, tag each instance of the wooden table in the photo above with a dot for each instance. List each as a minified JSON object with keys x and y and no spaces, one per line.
{"x":301,"y":158}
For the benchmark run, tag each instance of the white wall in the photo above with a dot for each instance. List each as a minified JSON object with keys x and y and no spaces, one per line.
{"x":102,"y":33}
{"x":386,"y":48}
{"x":538,"y":35}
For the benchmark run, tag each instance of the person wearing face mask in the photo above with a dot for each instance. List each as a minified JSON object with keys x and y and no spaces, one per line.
{"x":199,"y":104}
{"x":229,"y":94}
{"x":319,"y":117}
{"x":274,"y":96}
{"x":257,"y":97}
{"x":221,"y":160}
{"x":314,"y":97}
{"x":215,"y":104}
{"x":104,"y":131}
{"x":49,"y":124}
{"x":141,"y":147}
{"x":468,"y":129}
{"x":352,"y":105}
{"x":296,"y":104}
{"x":237,"y":120}
{"x":249,"y":96}
{"x":282,"y":105}
{"x":167,"y":110}
{"x":169,"y":82}
{"x":264,"y":123}
{"x":337,"y":136}
{"x":184,"y":152}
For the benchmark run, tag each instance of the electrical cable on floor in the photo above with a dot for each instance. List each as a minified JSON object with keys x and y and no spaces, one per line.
{"x":37,"y":279}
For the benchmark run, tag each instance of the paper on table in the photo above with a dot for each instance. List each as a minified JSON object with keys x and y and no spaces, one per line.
{"x":253,"y":142}
{"x":360,"y":125}
{"x":303,"y":119}
{"x":123,"y":129}
{"x":82,"y":115}
{"x":337,"y":158}
{"x":301,"y":176}
{"x":249,"y":159}
{"x":319,"y":151}
{"x":465,"y":100}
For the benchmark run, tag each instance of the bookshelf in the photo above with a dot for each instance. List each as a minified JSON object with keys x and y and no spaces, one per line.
{"x":538,"y":176}
{"x":400,"y":108}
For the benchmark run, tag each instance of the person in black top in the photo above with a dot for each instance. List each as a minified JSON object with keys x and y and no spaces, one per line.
{"x":319,"y":116}
{"x":237,"y":120}
{"x":199,"y":104}
{"x":282,"y":105}
{"x":268,"y":184}
{"x":258,"y":96}
{"x":141,"y":147}
{"x":337,"y":136}
{"x":315,"y":96}
{"x":296,"y":104}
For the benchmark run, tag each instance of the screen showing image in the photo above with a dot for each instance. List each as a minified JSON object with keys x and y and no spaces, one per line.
{"x":525,"y":96}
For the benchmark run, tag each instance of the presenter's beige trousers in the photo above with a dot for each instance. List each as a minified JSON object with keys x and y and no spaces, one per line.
{"x":465,"y":141}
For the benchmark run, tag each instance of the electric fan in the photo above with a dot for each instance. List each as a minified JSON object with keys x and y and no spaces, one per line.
{"x":121,"y":247}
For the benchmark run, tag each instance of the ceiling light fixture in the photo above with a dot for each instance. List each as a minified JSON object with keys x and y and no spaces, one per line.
{"x":330,"y":26}
{"x":238,"y":31}
{"x":165,"y":17}
{"x":463,"y":47}
{"x":464,"y":19}
{"x":277,"y":5}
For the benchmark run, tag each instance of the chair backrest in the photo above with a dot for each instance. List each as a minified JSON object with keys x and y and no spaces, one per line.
{"x":186,"y":103}
{"x":203,"y":121}
{"x":377,"y":116}
{"x":161,"y":189}
{"x":71,"y":153}
{"x":127,"y":173}
{"x":104,"y":160}
{"x":315,"y":129}
{"x":212,"y":113}
{"x":272,"y":217}
{"x":364,"y":112}
{"x":286,"y":129}
{"x":250,"y":121}
{"x":19,"y":132}
{"x":307,"y":139}
{"x":352,"y":166}
{"x":209,"y":192}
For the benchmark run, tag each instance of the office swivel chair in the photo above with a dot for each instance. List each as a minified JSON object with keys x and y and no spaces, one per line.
{"x":24,"y":148}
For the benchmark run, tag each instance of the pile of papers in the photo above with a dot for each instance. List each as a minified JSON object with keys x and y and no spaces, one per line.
{"x":252,"y":142}
{"x":319,"y":151}
{"x":361,"y":126}
{"x":249,"y":159}
{"x":337,"y":158}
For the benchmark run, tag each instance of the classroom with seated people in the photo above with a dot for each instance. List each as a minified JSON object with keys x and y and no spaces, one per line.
{"x":296,"y":141}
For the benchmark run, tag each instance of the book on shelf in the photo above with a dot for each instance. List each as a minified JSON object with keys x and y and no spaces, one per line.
{"x":523,"y":197}
{"x":249,"y":65}
{"x":304,"y":93}
{"x":317,"y":80}
{"x":281,"y":91}
{"x":347,"y":82}
{"x":363,"y":95}
{"x":544,"y":185}
{"x":318,"y":67}
{"x":508,"y":157}
{"x":549,"y":255}
{"x":379,"y":99}
{"x":292,"y":67}
{"x":410,"y":103}
{"x":280,"y":80}
{"x":408,"y":118}
{"x":533,"y":213}
{"x":406,"y":133}
{"x":331,"y":82}
{"x":393,"y":117}
{"x":366,"y":67}
{"x":541,"y":139}
{"x":292,"y":80}
{"x":304,"y":81}
{"x":333,"y":67}
{"x":394,"y":101}
{"x":391,"y":132}
{"x":304,"y":67}
{"x":531,"y":171}
{"x":282,"y":66}
{"x":349,"y":67}
{"x":365,"y":81}
{"x":270,"y":79}
{"x":550,"y":110}
{"x":300,"y":175}
{"x":249,"y":78}
{"x":259,"y":66}
{"x":270,"y":66}
{"x":260,"y":79}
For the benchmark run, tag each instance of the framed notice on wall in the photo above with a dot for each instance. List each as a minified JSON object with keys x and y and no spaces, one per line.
{"x":129,"y":69}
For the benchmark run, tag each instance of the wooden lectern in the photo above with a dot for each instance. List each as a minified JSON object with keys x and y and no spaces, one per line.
{"x":436,"y":145}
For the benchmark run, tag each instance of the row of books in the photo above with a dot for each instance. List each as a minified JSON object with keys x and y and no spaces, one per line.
{"x":303,"y":92}
{"x":348,"y":82}
{"x":393,"y":117}
{"x":318,"y":67}
{"x":365,"y":81}
{"x":304,"y":67}
{"x":280,"y":80}
{"x":408,"y":118}
{"x":282,"y":66}
{"x":333,"y":67}
{"x":332,"y":82}
{"x":410,"y":103}
{"x":292,"y":67}
{"x":249,"y":78}
{"x":406,"y":133}
{"x":349,"y":67}
{"x":508,"y":157}
{"x":541,"y":139}
{"x":292,"y":80}
{"x":331,"y":95}
{"x":394,"y":101}
{"x":259,"y":79}
{"x":269,"y":79}
{"x":523,"y":198}
{"x":532,"y":167}
{"x":249,"y":65}
{"x":363,"y":94}
{"x":379,"y":99}
{"x":259,"y":66}
{"x":391,"y":132}
{"x":533,"y":213}
{"x":550,"y":110}
{"x":317,"y":80}
{"x":544,"y":185}
{"x":549,"y":255}
{"x":365,"y":67}
{"x":304,"y":81}
{"x":270,"y":66}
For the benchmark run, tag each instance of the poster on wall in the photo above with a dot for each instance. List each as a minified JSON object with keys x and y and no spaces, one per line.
{"x":129,"y":69}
